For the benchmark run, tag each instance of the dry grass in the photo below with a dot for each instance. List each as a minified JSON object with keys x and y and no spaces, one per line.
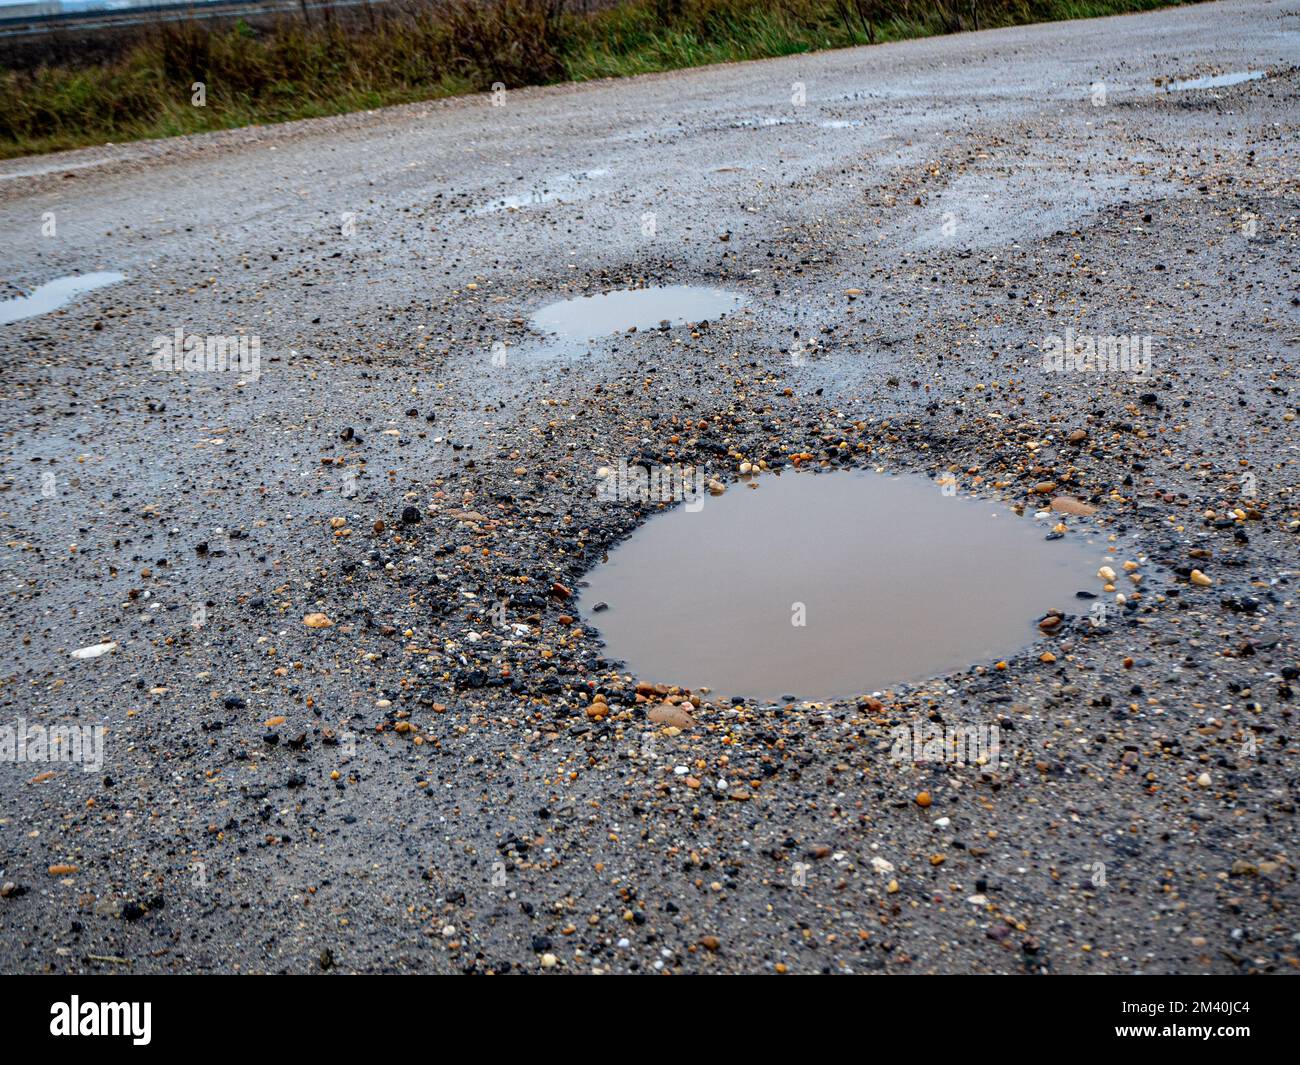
{"x":372,"y":56}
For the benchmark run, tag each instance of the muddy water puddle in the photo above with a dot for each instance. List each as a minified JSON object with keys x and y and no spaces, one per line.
{"x":1216,"y":81}
{"x":53,"y":295}
{"x":831,"y":585}
{"x":575,"y":321}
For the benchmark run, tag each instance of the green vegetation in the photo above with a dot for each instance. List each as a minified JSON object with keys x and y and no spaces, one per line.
{"x":332,"y":63}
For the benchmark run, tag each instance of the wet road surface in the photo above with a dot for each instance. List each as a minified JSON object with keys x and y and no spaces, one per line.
{"x":355,"y":720}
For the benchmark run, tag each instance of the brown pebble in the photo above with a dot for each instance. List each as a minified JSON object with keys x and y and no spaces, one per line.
{"x":668,"y":714}
{"x":1070,"y":505}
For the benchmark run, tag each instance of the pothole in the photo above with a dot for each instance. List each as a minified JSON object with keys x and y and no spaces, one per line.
{"x":558,"y":190}
{"x":54,"y":294}
{"x":1216,"y":81}
{"x":588,"y":317}
{"x":831,"y":585}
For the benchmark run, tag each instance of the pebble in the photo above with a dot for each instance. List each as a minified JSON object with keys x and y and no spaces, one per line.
{"x":317,"y":621}
{"x":94,"y":650}
{"x":1070,"y":505}
{"x":670,"y":714}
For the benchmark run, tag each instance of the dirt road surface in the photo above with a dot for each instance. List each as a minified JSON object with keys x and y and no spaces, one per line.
{"x":435,"y":784}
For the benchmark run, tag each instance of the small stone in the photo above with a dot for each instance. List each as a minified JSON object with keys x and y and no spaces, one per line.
{"x":410,"y":515}
{"x":1199,"y":578}
{"x":670,"y":714}
{"x":317,"y":621}
{"x":1106,"y":573}
{"x":710,"y":942}
{"x":95,"y":650}
{"x":1070,"y":505}
{"x":923,"y":799}
{"x":1204,"y":780}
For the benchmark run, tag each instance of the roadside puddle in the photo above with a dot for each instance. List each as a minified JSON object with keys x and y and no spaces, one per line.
{"x":54,"y":294}
{"x":604,"y":314}
{"x":1217,"y":81}
{"x":565,"y":188}
{"x":831,"y":585}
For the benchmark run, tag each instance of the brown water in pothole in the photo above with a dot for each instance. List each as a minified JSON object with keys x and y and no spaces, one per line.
{"x":605,"y":313}
{"x":895,"y":582}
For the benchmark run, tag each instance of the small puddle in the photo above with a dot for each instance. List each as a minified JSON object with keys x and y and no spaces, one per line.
{"x":759,"y":123}
{"x":587,"y":317}
{"x":54,"y":294}
{"x":1217,"y":81}
{"x":895,"y":583}
{"x":538,"y":195}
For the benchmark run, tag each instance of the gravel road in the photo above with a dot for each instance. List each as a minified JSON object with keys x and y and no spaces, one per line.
{"x":414,"y":786}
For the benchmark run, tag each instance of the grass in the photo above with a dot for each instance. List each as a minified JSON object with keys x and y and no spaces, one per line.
{"x":360,"y":58}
